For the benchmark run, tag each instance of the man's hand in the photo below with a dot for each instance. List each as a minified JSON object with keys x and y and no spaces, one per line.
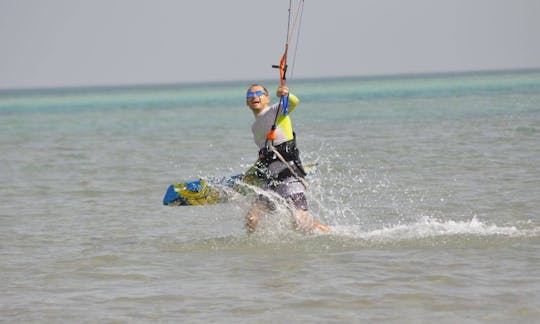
{"x":282,"y":91}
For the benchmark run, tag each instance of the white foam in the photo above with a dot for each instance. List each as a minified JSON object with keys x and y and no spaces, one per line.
{"x":431,"y":227}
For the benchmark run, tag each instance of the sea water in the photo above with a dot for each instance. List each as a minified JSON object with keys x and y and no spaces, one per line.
{"x":430,"y":183}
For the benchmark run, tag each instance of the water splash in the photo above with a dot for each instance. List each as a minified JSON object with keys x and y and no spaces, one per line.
{"x":362,"y":201}
{"x":429,"y":227}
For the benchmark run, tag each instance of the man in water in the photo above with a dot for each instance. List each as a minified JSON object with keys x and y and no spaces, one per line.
{"x":278,"y":168}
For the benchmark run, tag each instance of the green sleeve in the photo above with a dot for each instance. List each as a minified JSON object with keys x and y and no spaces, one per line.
{"x":293,"y":101}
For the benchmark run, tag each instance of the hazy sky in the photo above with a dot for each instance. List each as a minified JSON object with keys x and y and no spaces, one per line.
{"x":52,"y":43}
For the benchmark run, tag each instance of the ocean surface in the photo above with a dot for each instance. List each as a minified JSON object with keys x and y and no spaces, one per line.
{"x":430,"y":183}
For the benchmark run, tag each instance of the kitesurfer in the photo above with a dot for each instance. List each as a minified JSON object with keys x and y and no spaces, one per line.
{"x":278,"y":167}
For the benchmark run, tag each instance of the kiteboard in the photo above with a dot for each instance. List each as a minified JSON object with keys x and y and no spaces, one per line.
{"x":212,"y":191}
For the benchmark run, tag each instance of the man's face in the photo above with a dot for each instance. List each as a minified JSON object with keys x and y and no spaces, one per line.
{"x":257,"y":99}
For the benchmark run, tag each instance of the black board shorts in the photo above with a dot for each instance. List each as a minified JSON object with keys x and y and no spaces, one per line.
{"x":291,"y":189}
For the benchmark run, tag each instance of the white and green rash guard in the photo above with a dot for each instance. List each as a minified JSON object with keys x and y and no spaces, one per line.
{"x":264,"y":121}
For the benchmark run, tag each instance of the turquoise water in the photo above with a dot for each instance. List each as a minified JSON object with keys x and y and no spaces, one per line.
{"x":430,"y":183}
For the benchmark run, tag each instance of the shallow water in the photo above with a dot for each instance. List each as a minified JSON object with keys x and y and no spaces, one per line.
{"x":431,"y":185}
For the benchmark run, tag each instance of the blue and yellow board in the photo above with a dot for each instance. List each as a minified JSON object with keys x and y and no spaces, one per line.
{"x":214,"y":191}
{"x":200,"y":192}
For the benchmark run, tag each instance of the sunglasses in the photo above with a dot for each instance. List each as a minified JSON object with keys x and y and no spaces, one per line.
{"x":258,"y":93}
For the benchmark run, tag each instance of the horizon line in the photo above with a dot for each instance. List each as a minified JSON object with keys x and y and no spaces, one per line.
{"x":234,"y":81}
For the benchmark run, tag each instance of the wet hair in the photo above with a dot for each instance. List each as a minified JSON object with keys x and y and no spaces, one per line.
{"x":259,"y":85}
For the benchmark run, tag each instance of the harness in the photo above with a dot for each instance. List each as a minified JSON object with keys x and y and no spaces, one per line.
{"x":279,"y":162}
